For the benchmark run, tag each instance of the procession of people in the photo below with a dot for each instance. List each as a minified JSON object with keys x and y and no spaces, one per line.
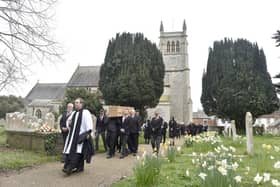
{"x":118,"y":134}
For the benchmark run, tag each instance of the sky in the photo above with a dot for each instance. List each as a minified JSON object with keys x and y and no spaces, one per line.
{"x":84,"y":28}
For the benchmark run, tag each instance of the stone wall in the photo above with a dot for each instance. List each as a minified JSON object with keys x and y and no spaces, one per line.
{"x":32,"y":141}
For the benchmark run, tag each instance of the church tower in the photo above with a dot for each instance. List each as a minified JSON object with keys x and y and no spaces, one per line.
{"x":177,"y":90}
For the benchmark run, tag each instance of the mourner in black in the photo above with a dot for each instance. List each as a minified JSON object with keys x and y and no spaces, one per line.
{"x":124,"y":130}
{"x":172,"y":130}
{"x":156,"y":124}
{"x":134,"y":128}
{"x":63,"y":121}
{"x":147,"y":131}
{"x":111,"y":136}
{"x":78,"y":145}
{"x":101,"y":125}
{"x":163,"y":131}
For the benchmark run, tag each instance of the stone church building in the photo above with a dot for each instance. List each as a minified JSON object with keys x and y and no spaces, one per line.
{"x":175,"y":100}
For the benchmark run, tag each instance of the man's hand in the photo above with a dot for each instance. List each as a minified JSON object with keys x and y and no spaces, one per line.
{"x":64,"y":129}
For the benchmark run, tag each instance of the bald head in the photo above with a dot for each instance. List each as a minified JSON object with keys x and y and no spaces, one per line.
{"x":70,"y":107}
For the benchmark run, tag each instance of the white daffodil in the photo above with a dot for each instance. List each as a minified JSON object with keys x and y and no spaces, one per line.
{"x":138,"y":157}
{"x":187,"y":173}
{"x":258,"y":178}
{"x":210,"y":168}
{"x":275,"y":182}
{"x":238,"y":179}
{"x":266,"y":177}
{"x":277,"y":165}
{"x":179,"y":148}
{"x":224,"y":163}
{"x":193,"y":161}
{"x":234,"y":166}
{"x":202,"y":175}
{"x":276,"y":148}
{"x":232,"y":149}
{"x":222,"y":170}
{"x":271,"y":157}
{"x":204,"y":164}
{"x":248,"y":168}
{"x":194,"y":154}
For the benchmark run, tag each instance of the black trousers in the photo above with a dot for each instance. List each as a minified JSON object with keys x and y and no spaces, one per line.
{"x":133,"y":142}
{"x":103,"y":136}
{"x":111,"y":140}
{"x":74,"y":161}
{"x":155,"y":141}
{"x":163,"y":137}
{"x":124,"y":150}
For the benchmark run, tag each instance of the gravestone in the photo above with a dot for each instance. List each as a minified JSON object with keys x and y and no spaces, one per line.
{"x":233,"y":128}
{"x":49,"y":120}
{"x":249,"y":133}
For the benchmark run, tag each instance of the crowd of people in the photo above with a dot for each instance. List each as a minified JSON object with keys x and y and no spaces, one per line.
{"x":118,"y":134}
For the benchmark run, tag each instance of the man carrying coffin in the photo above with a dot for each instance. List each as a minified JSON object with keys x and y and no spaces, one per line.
{"x":78,"y":146}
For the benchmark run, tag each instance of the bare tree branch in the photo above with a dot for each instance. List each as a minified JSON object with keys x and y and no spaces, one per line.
{"x":25,"y":38}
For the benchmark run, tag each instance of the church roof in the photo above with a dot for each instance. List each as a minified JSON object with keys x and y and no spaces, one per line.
{"x":49,"y":91}
{"x":85,"y":76}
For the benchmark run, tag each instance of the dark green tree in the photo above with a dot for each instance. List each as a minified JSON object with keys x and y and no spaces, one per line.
{"x":237,"y":81}
{"x":92,"y":100}
{"x":276,"y":36}
{"x":10,"y":104}
{"x":132,"y":73}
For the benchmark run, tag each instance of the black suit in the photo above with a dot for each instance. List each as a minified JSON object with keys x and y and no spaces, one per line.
{"x":156,"y":124}
{"x":134,"y":128}
{"x":111,"y":136}
{"x":62,"y":124}
{"x":101,"y":125}
{"x":124,"y":135}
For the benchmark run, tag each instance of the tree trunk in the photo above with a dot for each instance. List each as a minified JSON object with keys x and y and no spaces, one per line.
{"x":240,"y":126}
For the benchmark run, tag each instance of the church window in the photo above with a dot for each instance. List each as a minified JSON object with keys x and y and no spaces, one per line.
{"x":38,"y":114}
{"x":173,"y":46}
{"x":177,"y":46}
{"x":168,"y":47}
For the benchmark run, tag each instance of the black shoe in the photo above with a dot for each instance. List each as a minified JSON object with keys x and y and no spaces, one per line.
{"x":109,"y":156}
{"x":80,"y":170}
{"x":122,"y":156}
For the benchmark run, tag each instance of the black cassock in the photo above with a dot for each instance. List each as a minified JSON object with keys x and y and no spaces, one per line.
{"x":75,"y":160}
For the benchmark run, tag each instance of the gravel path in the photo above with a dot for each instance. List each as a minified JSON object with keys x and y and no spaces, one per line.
{"x":100,"y":172}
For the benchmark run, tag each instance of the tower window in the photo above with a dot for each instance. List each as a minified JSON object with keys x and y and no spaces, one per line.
{"x":177,"y":46}
{"x":173,"y":46}
{"x":168,"y":47}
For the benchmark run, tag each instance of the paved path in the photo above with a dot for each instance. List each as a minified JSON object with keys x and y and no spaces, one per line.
{"x":100,"y":172}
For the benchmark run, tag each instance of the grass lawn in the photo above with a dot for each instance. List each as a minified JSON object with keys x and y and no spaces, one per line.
{"x":17,"y":158}
{"x":192,"y":158}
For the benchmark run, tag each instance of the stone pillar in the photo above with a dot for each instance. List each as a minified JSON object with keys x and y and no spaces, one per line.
{"x":233,"y":128}
{"x":249,"y":133}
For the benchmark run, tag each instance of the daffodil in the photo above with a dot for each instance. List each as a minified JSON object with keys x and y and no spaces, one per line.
{"x":258,"y":178}
{"x":187,"y":173}
{"x":238,"y":179}
{"x":222,"y":170}
{"x":202,"y":175}
{"x":277,"y":165}
{"x":266,"y":177}
{"x":275,"y":182}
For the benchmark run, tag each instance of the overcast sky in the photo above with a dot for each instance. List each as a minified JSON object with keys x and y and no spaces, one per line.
{"x":84,"y":28}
